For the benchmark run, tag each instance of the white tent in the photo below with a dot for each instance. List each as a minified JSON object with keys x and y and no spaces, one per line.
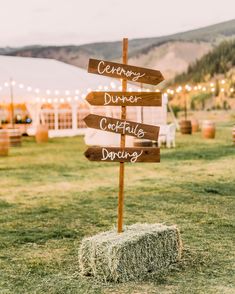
{"x":38,"y":77}
{"x":37,"y":81}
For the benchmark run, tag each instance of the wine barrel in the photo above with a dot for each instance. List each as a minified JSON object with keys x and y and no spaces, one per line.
{"x":208,"y":129}
{"x":42,"y":134}
{"x":186,"y":127}
{"x":14,"y":137}
{"x":143,"y":143}
{"x":195,"y":125}
{"x":4,"y":142}
{"x":233,"y":135}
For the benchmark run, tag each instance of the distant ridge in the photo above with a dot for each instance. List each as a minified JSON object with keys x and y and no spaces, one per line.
{"x":166,"y":52}
{"x":219,"y":61}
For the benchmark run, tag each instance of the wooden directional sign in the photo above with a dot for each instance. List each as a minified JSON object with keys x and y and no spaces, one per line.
{"x":120,"y":126}
{"x":129,"y":154}
{"x":125,"y":98}
{"x":124,"y":71}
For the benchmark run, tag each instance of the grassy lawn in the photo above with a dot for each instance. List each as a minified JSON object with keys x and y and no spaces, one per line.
{"x":51,"y":197}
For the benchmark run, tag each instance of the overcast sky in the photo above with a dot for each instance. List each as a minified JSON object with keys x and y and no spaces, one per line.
{"x":24,"y":22}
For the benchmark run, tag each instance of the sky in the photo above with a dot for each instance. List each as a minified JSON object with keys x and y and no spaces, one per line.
{"x":60,"y":22}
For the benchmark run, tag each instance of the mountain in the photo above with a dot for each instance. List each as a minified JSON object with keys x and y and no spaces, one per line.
{"x":171,"y":54}
{"x":221,"y":60}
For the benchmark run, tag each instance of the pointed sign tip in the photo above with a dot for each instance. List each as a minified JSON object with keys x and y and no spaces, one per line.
{"x":89,"y":97}
{"x":86,"y":118}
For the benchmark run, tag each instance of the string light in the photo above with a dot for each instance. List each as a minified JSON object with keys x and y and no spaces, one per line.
{"x":203,"y":87}
{"x":188,"y":88}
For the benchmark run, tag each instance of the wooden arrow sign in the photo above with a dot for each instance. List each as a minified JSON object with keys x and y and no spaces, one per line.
{"x":120,"y":126}
{"x":124,"y":71}
{"x":125,"y":98}
{"x":129,"y":154}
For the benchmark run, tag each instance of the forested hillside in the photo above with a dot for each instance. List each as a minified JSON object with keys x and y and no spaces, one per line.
{"x":218,"y":61}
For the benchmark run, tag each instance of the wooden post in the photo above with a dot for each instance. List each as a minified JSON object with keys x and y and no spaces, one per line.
{"x":122,"y":144}
{"x":142,"y":108}
{"x":12,"y":104}
{"x":185,"y":104}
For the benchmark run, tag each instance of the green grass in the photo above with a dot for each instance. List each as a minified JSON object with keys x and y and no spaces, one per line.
{"x":51,"y":197}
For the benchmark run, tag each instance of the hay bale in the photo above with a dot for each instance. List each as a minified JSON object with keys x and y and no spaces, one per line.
{"x":141,"y":249}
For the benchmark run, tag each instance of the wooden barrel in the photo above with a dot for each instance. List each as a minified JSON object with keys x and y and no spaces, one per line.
{"x":4,"y":142}
{"x":14,"y":137}
{"x":233,"y":133}
{"x":208,"y":129}
{"x":143,"y":143}
{"x":186,"y":127}
{"x":195,"y":125}
{"x":42,"y":134}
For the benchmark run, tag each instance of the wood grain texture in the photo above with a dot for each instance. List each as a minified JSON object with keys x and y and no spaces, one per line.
{"x":120,"y":126}
{"x":125,"y":98}
{"x":122,"y":144}
{"x":128,"y":154}
{"x":124,"y":71}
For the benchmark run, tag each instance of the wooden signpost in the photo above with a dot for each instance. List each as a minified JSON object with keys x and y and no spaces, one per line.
{"x":129,"y":154}
{"x":122,"y":126}
{"x":125,"y":98}
{"x":124,"y":71}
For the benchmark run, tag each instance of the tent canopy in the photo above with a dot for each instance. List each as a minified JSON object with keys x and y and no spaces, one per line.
{"x":37,"y":77}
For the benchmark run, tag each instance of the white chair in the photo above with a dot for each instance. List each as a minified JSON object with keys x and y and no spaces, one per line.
{"x":167,"y":135}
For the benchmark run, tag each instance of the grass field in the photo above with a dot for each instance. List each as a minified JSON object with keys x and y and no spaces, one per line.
{"x":51,"y":197}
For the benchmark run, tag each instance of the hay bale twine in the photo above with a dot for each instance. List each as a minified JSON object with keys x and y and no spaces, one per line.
{"x":140,"y":250}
